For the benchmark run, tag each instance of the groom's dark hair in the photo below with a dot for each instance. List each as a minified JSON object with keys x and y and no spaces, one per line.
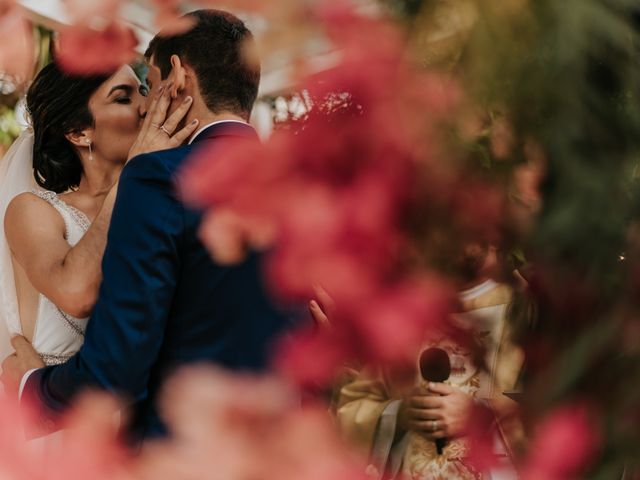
{"x":220,"y":49}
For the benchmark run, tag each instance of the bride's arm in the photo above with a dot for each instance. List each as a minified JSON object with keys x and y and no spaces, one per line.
{"x":69,"y":276}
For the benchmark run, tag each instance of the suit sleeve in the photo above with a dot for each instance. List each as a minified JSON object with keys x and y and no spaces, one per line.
{"x":140,"y":270}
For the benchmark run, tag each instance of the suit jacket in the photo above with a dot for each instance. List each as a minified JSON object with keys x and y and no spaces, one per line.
{"x":163,"y":301}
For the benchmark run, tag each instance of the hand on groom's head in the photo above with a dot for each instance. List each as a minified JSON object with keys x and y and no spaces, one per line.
{"x":15,"y":366}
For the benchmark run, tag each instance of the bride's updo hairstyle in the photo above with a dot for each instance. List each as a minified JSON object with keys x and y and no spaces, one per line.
{"x":58,"y":104}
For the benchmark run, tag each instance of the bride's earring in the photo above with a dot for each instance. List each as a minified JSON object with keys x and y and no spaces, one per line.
{"x":88,"y":140}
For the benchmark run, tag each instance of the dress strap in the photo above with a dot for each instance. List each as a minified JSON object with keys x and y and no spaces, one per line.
{"x":67,"y":212}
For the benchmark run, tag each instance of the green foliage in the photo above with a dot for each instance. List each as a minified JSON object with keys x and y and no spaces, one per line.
{"x":566,"y":75}
{"x":9,"y":128}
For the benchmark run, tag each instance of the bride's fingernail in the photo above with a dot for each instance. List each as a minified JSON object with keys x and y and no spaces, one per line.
{"x":161,"y":89}
{"x":188,"y":99}
{"x":194,"y":122}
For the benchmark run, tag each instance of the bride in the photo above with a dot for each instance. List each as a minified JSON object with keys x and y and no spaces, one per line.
{"x":58,"y":184}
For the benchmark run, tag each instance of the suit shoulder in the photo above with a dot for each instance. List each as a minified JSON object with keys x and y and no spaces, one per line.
{"x":160,"y":163}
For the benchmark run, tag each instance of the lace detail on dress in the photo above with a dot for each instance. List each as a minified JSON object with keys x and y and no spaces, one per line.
{"x":57,"y":334}
{"x":72,"y":323}
{"x":51,"y":197}
{"x":50,"y":359}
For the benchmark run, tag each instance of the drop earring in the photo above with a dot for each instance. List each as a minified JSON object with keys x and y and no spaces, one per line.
{"x":88,"y":140}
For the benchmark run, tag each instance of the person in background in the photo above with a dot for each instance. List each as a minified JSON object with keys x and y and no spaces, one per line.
{"x":398,"y":425}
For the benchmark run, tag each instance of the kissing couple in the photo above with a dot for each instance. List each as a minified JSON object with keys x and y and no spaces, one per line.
{"x":104,"y":282}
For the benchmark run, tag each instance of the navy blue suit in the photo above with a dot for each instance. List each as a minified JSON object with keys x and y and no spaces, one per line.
{"x":163,"y":302}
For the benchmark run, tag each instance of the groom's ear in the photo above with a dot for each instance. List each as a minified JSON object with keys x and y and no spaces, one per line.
{"x":178,"y":76}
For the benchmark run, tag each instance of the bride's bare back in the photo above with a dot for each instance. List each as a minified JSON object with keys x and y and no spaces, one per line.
{"x":28,"y":298}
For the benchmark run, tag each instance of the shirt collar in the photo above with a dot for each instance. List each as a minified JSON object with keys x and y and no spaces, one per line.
{"x":193,"y":137}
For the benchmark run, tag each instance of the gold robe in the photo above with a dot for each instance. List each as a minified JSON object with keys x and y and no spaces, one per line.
{"x":363,"y":401}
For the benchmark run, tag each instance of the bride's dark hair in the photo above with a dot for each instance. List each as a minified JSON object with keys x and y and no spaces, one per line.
{"x":58,"y":104}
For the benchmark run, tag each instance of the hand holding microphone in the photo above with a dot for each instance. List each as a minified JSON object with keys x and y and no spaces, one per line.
{"x":441,"y":411}
{"x":435,"y":366}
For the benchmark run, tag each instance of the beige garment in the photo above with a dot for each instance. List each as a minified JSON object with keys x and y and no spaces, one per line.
{"x":363,"y":401}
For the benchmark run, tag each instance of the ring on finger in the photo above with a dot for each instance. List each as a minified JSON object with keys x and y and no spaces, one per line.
{"x":155,"y":125}
{"x":434,"y":425}
{"x":162,"y":127}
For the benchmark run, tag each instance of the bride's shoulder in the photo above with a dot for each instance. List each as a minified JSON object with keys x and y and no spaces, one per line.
{"x":30,"y":209}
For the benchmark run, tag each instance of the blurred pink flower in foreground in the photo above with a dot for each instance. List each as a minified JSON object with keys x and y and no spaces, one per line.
{"x":329,"y":199}
{"x":96,"y":13}
{"x":97,"y":42}
{"x":168,"y":17}
{"x":563,"y":446}
{"x":87,"y":448}
{"x":231,"y":427}
{"x":384,"y":327}
{"x":224,"y":426}
{"x":14,"y":458}
{"x":84,"y":50}
{"x":17,"y":54}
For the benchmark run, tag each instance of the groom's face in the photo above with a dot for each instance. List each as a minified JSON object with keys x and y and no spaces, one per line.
{"x":154,"y":81}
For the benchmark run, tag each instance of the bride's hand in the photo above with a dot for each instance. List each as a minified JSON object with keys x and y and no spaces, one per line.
{"x":159,"y":132}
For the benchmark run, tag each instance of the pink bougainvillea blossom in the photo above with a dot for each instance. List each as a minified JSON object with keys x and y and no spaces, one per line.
{"x":223,"y":425}
{"x":84,"y":50}
{"x":88,"y":447}
{"x":235,"y":427}
{"x":90,"y":444}
{"x":17,"y":56}
{"x":168,"y":17}
{"x":96,"y":13}
{"x":328,"y":198}
{"x":564,"y":445}
{"x":385,"y":327}
{"x":97,"y":41}
{"x":14,"y":454}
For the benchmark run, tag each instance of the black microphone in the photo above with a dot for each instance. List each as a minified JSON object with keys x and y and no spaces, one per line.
{"x":435,"y":366}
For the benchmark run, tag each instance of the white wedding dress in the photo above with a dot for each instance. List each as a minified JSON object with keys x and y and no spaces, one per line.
{"x":57,"y":335}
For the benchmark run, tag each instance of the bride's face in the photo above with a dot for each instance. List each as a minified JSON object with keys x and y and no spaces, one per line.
{"x":118,"y":108}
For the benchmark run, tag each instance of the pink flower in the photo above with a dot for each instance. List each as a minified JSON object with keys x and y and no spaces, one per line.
{"x":17,"y":55}
{"x":234,"y":427}
{"x":83,"y":50}
{"x":563,"y":446}
{"x":90,"y":445}
{"x":14,"y":454}
{"x":168,"y":17}
{"x":229,"y":234}
{"x":329,"y":199}
{"x":386,"y":327}
{"x":87,"y":448}
{"x":393,"y":324}
{"x":310,"y":358}
{"x":96,"y":14}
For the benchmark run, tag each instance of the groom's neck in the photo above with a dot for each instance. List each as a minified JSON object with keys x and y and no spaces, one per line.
{"x":206,"y":116}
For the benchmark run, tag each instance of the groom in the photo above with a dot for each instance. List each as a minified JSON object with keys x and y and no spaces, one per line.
{"x":163,"y":302}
